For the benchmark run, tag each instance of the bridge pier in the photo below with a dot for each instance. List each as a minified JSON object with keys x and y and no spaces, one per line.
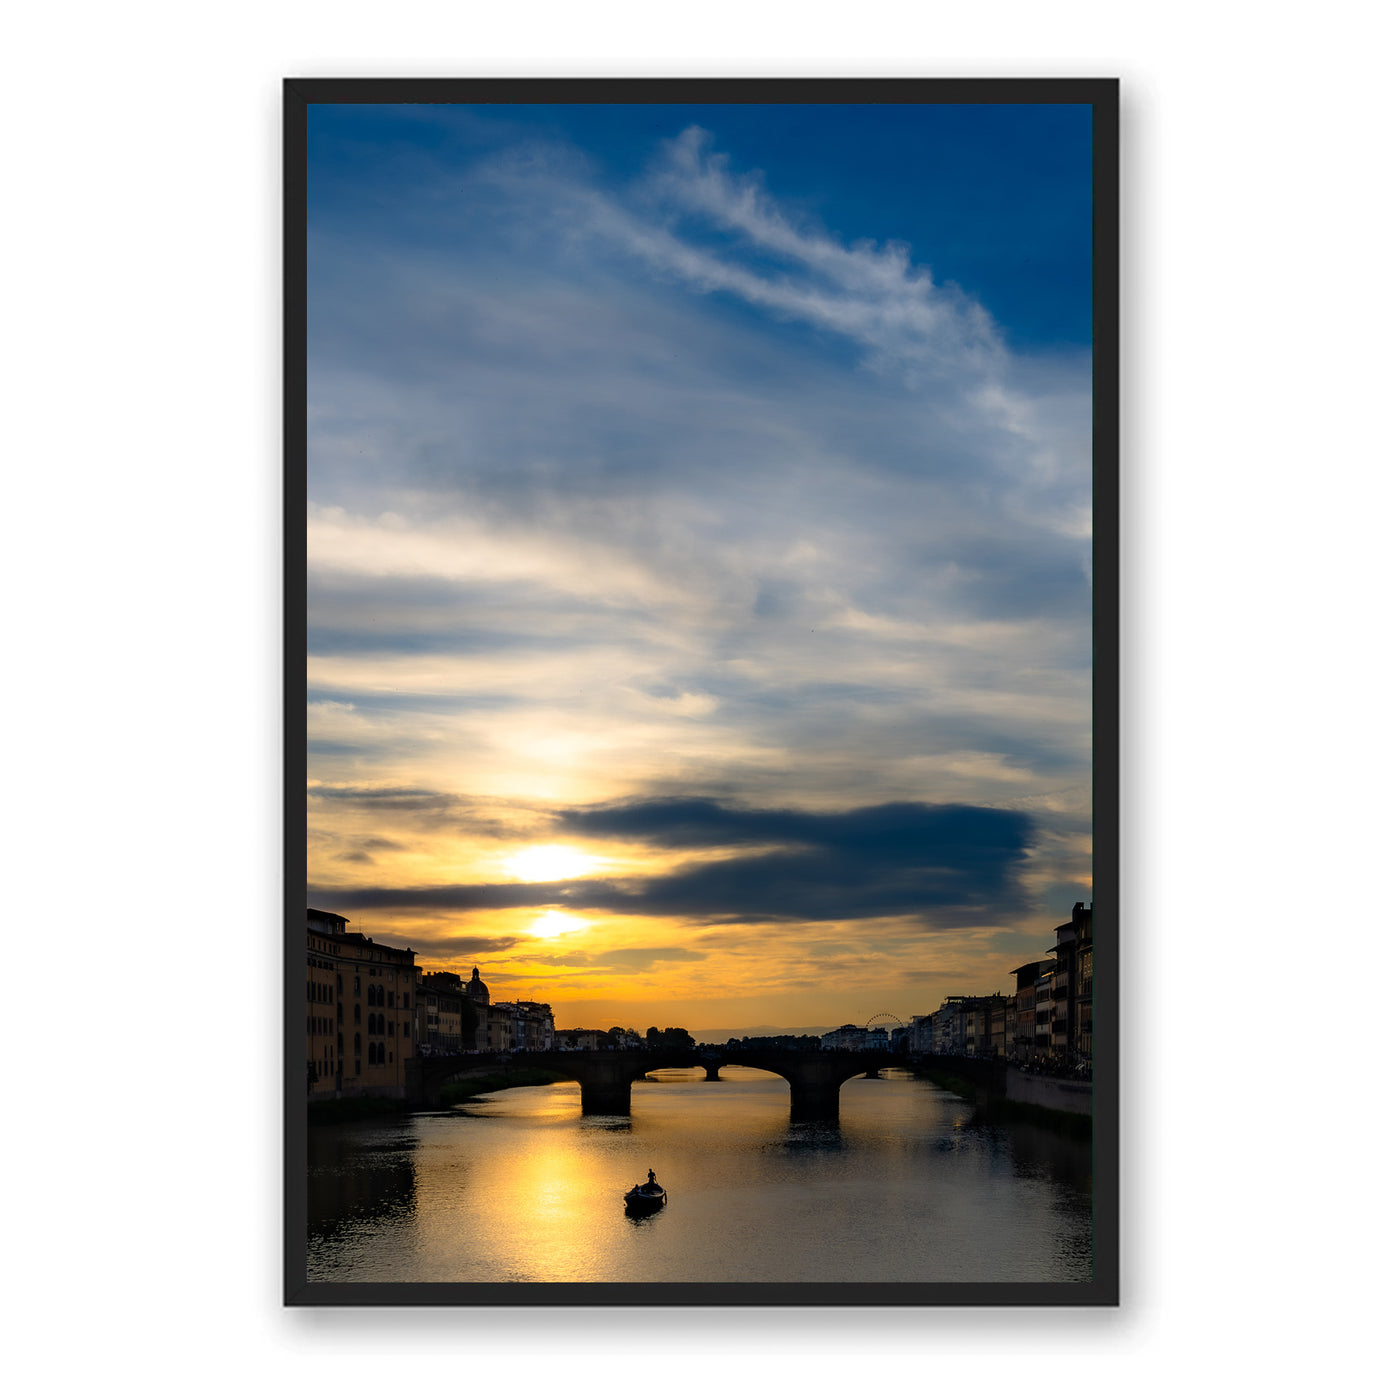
{"x":814,"y":1082}
{"x":814,"y":1102}
{"x":711,"y":1072}
{"x":614,"y":1100}
{"x":605,"y":1084}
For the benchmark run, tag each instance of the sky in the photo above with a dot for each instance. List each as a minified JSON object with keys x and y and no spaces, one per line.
{"x":699,"y":552}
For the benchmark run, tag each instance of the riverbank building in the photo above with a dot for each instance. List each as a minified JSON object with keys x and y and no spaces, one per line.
{"x":359,"y":1011}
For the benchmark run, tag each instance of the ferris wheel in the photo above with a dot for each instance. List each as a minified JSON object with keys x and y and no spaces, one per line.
{"x":884,"y":1018}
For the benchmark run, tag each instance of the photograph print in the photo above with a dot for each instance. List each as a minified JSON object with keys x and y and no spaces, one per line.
{"x":701,"y":510}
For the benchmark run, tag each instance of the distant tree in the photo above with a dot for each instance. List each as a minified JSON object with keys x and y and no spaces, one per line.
{"x":672,"y":1038}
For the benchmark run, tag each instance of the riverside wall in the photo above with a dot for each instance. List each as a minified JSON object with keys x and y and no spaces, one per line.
{"x":1064,"y":1095}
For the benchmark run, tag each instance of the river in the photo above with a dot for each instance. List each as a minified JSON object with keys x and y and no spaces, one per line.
{"x":518,"y":1187}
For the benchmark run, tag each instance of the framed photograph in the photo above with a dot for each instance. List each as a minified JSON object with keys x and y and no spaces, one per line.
{"x":701,"y":548}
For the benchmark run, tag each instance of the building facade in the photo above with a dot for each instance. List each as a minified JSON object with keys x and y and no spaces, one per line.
{"x":1022,"y":1032}
{"x":360,"y":1011}
{"x":1070,"y":1006}
{"x":440,"y":1020}
{"x":1084,"y":991}
{"x":847,"y":1037}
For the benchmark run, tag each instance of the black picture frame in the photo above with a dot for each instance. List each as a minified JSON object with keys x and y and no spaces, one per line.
{"x":1102,"y":95}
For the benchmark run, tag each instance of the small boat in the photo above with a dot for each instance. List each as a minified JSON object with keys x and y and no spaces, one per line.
{"x":648,"y":1196}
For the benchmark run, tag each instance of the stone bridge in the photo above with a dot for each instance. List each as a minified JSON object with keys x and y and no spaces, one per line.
{"x":814,"y":1077}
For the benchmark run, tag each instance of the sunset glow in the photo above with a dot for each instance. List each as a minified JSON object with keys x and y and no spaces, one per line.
{"x":552,"y":923}
{"x":545,"y":863}
{"x":698,"y":564}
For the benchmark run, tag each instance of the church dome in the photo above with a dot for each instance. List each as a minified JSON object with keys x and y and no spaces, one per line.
{"x":477,"y":990}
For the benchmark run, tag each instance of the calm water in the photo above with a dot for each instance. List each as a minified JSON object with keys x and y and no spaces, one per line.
{"x":520,"y":1188}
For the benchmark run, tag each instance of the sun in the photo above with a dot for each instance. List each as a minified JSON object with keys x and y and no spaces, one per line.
{"x":543,"y":864}
{"x":552,"y":923}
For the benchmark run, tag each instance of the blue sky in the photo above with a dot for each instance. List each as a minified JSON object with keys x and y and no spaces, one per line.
{"x":995,"y":198}
{"x":699,"y":545}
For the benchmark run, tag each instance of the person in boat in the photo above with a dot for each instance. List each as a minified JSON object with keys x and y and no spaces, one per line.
{"x":651,"y":1178}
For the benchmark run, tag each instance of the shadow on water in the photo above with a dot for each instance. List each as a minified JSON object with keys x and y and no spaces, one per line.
{"x":806,"y":1138}
{"x":351,"y":1181}
{"x":1043,"y":1153}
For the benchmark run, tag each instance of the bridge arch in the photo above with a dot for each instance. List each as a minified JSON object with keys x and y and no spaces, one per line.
{"x":814,"y":1077}
{"x":605,"y":1077}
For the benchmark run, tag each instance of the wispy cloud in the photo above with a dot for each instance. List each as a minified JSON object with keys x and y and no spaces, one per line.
{"x":871,"y":294}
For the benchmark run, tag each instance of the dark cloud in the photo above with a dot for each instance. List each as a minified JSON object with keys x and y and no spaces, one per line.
{"x":400,"y":799}
{"x":459,"y":949}
{"x":901,"y":858}
{"x":359,"y":854}
{"x":502,"y":896}
{"x":347,"y":641}
{"x":375,"y":706}
{"x":893,"y":831}
{"x":630,"y":959}
{"x":425,"y":806}
{"x":466,"y":945}
{"x":640,"y":959}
